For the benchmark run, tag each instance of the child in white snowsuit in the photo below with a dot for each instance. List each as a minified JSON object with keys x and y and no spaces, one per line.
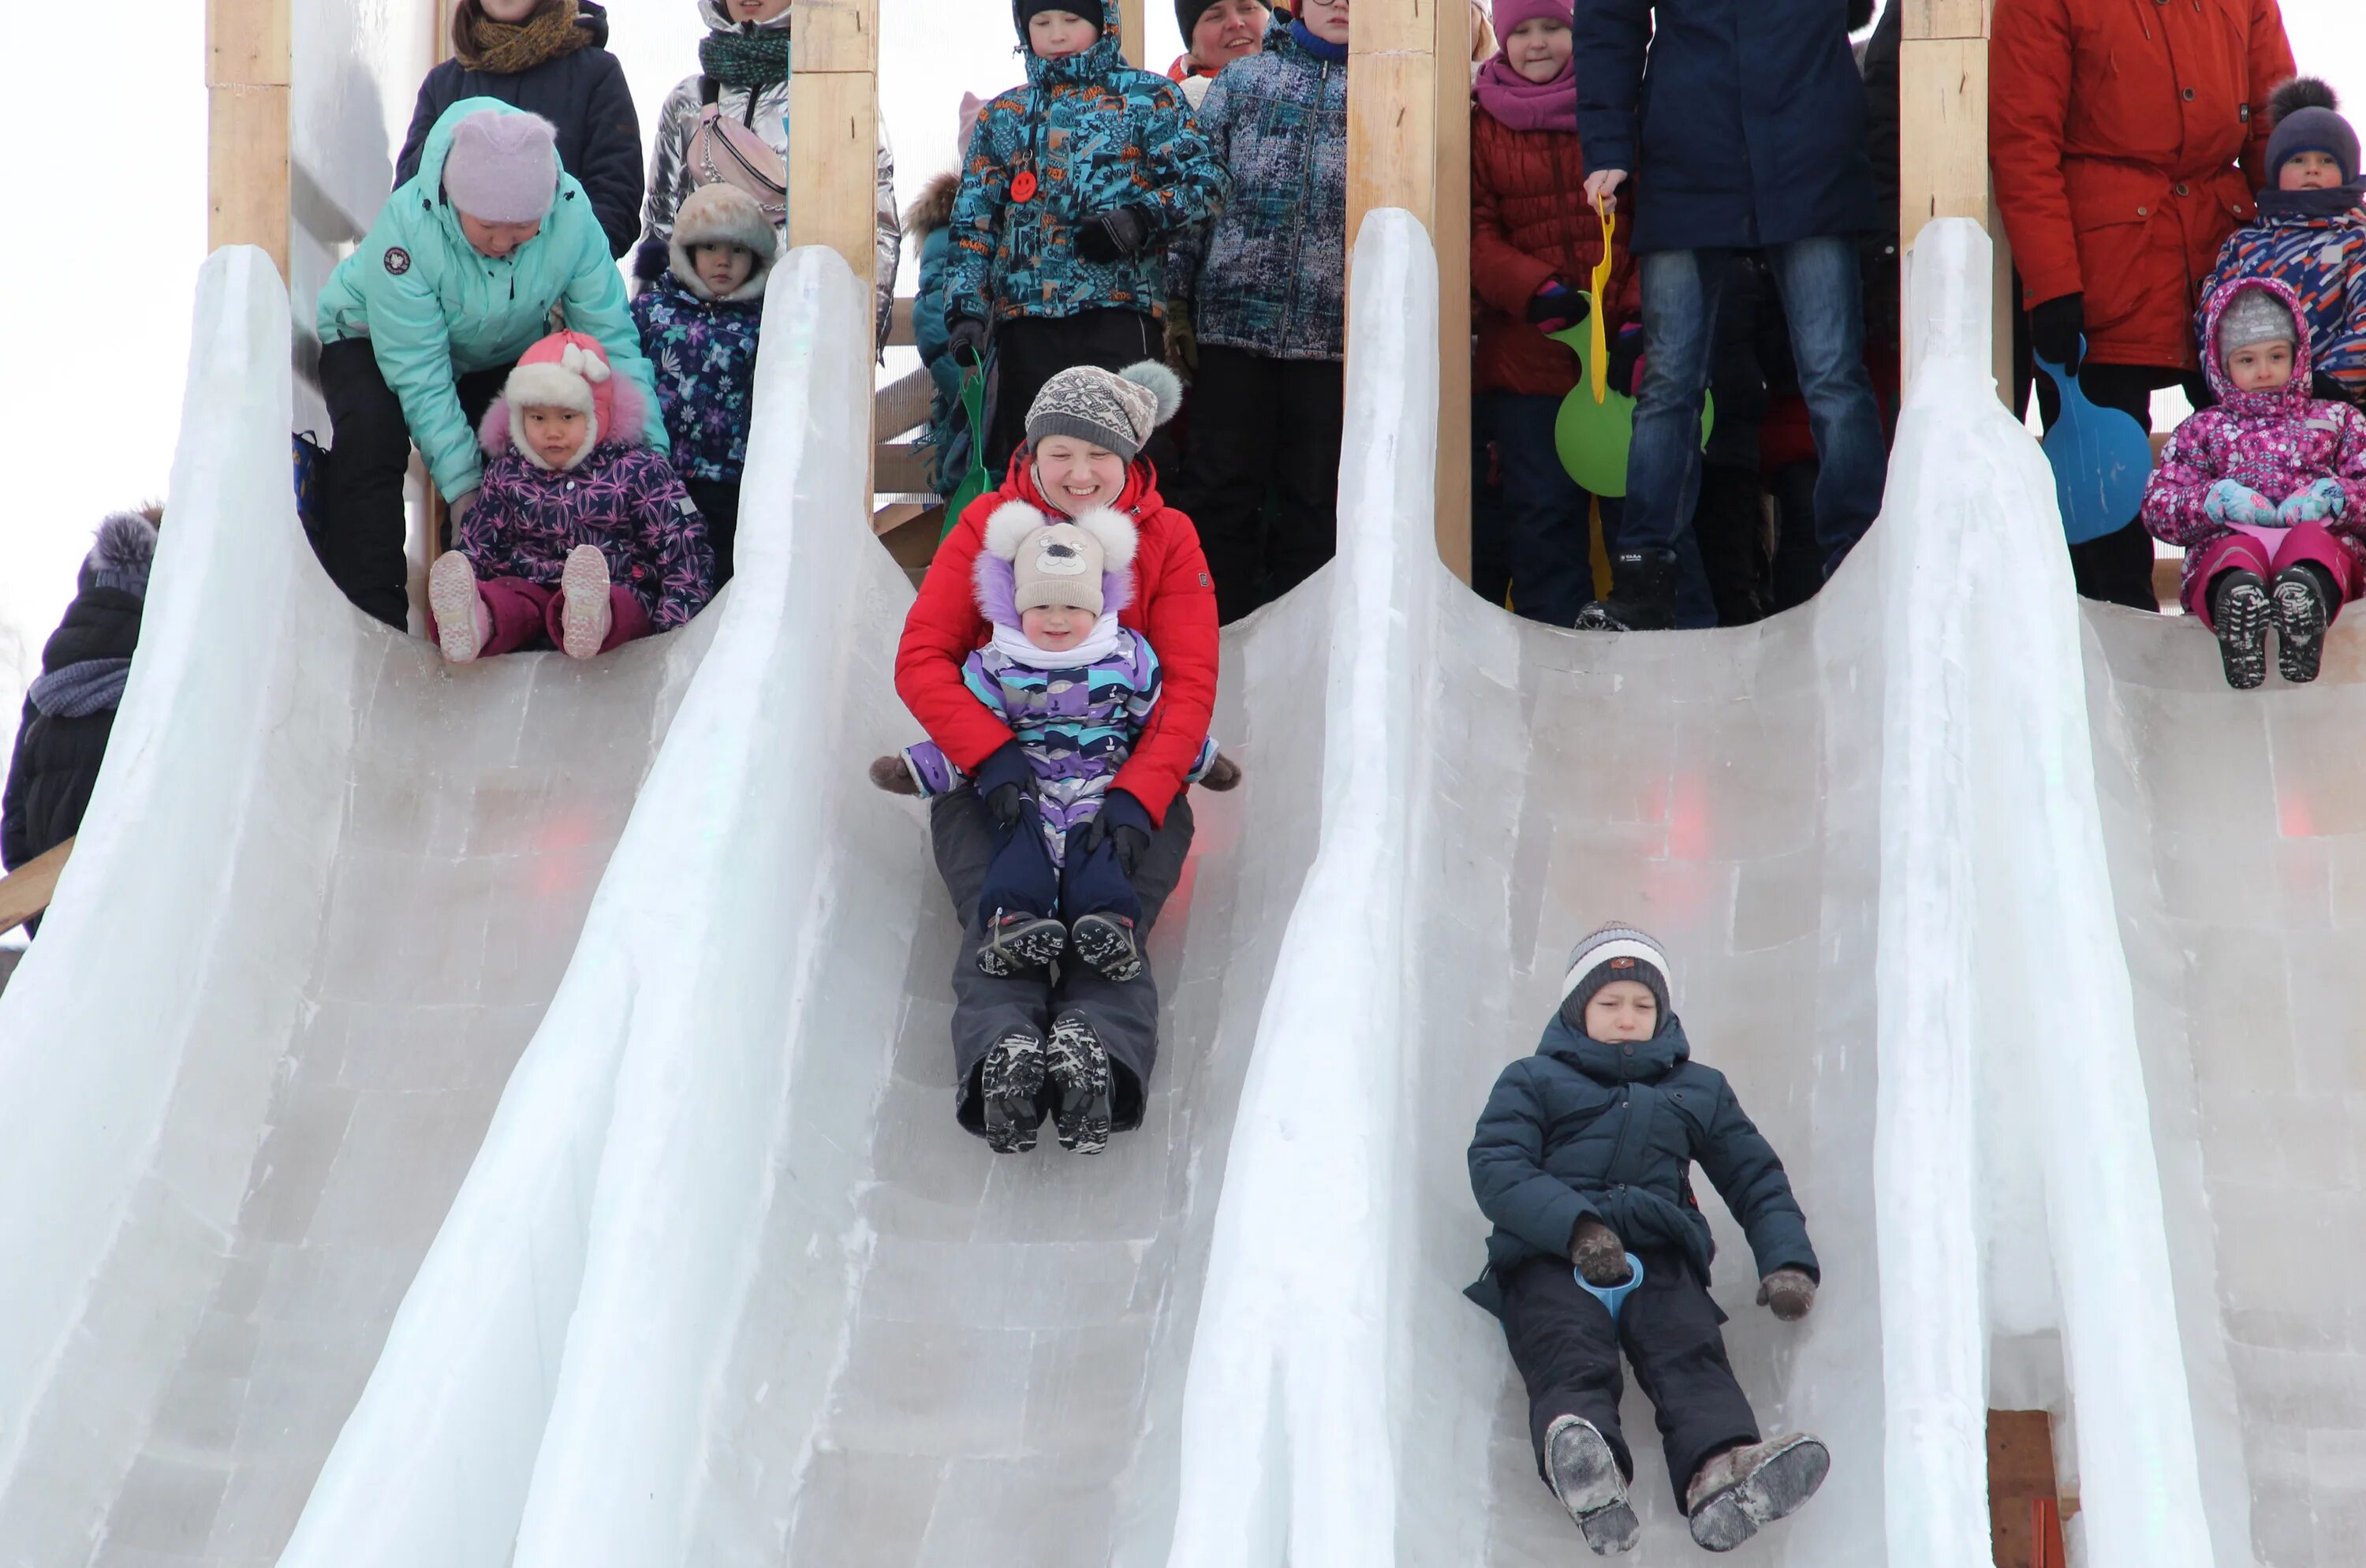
{"x":1583,"y":1155}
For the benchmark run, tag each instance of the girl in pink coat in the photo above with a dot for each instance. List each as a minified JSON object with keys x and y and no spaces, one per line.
{"x":2265,"y":492}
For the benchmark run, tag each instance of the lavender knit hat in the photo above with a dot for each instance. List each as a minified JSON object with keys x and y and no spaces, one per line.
{"x":503,"y":166}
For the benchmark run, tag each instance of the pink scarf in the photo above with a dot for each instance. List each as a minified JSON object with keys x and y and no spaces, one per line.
{"x":1522,"y":105}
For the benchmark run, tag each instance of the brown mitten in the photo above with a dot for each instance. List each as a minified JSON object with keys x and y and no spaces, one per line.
{"x":1598,"y":1253}
{"x":1788,"y":1293}
{"x":890,"y":774}
{"x":1223,"y":774}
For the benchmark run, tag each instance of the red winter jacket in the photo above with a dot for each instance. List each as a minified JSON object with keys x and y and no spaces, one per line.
{"x":1530,"y":221}
{"x":2114,"y":129}
{"x":1173,"y":606}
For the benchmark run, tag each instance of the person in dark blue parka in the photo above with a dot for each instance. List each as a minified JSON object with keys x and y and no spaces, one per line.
{"x":1742,"y":123}
{"x":1583,"y":1157}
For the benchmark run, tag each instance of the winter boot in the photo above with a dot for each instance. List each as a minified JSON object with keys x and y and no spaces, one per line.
{"x":461,"y":624}
{"x":2239,"y":609}
{"x":1017,"y":942}
{"x":1584,"y":1476}
{"x":2302,"y":593}
{"x":1078,"y":1066}
{"x":1744,"y":1489}
{"x":1642,"y":595}
{"x":1010,"y":1084}
{"x":1107,"y":942}
{"x":585,"y":582}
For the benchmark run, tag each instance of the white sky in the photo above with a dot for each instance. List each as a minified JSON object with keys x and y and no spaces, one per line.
{"x":95,"y":332}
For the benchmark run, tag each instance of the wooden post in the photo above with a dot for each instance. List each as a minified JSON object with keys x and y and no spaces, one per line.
{"x":26,"y":891}
{"x":1943,"y":131}
{"x":246,"y":125}
{"x":834,"y":133}
{"x":1409,"y":146}
{"x":1134,"y":35}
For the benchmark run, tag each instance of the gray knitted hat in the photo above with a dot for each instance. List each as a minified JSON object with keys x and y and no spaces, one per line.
{"x":1613,"y":953}
{"x":1108,"y":408}
{"x":2256,"y":317}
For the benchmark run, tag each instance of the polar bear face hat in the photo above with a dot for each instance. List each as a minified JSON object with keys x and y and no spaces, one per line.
{"x":1031,"y":562}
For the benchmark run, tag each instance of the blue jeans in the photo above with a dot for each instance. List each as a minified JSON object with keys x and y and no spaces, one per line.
{"x":1821,"y":295}
{"x":1546,"y":545}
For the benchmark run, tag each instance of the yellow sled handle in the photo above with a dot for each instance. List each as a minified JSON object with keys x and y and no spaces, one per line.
{"x":1600,"y":363}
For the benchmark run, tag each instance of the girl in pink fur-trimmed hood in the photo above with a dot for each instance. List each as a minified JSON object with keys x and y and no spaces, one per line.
{"x":582,"y":536}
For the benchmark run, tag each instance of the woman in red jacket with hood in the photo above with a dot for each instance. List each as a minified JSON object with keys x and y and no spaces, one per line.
{"x":1074,"y":1040}
{"x":2115,"y":132}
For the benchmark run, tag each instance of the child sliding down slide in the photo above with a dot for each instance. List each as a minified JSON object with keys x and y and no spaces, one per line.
{"x":582,"y":537}
{"x":2265,"y":492}
{"x":1583,"y":1155}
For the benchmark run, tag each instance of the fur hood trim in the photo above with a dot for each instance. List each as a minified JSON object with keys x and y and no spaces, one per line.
{"x":123,"y":553}
{"x":934,"y":208}
{"x":722,"y":214}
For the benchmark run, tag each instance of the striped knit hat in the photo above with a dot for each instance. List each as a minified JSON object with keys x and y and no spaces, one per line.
{"x":1613,"y":953}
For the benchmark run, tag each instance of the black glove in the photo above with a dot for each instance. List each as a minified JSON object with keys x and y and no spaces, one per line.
{"x":966,"y":339}
{"x":1625,"y":357}
{"x":1558,"y":302}
{"x":1003,"y":781}
{"x":1124,"y":826}
{"x":2056,"y":329}
{"x":1113,"y":235}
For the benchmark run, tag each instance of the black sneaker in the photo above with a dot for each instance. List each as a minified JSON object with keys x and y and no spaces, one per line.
{"x":2239,"y":607}
{"x":1584,"y":1476}
{"x":1107,"y":942}
{"x":1076,"y":1066}
{"x":1642,"y":595}
{"x":1010,"y":1085}
{"x":2302,"y":615}
{"x":1017,"y":942}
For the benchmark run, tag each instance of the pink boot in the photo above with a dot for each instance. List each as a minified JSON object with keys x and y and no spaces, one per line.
{"x":462,"y":622}
{"x":585,"y":582}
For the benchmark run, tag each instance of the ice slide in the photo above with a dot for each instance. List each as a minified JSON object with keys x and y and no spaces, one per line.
{"x":720,"y":1285}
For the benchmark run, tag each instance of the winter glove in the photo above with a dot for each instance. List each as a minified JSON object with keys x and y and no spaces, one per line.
{"x":889,"y":774}
{"x":1555,"y":307}
{"x":2056,"y":329}
{"x":2320,"y":501}
{"x":1787,"y":1293}
{"x":1124,"y":826}
{"x":1182,"y":343}
{"x":1598,"y":1253}
{"x":2230,"y":503}
{"x":1627,"y":359}
{"x":966,"y":339}
{"x":1004,"y":781}
{"x":1112,"y":235}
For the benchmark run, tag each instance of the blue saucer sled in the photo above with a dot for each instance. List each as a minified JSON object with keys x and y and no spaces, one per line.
{"x":2101,"y":458}
{"x":1614,"y":1296}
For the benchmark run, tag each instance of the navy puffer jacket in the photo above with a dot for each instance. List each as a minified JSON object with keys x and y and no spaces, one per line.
{"x":1611,"y":1131}
{"x":1745,"y":128}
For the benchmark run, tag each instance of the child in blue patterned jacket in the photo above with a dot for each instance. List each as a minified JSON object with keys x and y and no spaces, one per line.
{"x":1075,"y":688}
{"x":1072,"y":188}
{"x":699,"y":321}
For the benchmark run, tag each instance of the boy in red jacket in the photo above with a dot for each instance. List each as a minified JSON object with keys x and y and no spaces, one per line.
{"x":1072,"y":1040}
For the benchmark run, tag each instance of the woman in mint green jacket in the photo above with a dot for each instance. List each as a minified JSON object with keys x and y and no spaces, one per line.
{"x":418,"y":327}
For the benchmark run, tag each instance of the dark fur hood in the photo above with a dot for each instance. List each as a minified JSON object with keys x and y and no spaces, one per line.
{"x":934,"y":208}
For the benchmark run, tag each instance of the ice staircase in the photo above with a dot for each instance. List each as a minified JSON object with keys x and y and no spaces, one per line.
{"x":455,"y":1119}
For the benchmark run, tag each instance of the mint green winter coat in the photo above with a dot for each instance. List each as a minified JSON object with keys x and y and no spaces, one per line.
{"x":434,"y":310}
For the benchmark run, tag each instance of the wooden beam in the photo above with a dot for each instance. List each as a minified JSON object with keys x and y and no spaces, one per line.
{"x":1134,"y":35}
{"x":902,"y":404}
{"x":1409,"y":146}
{"x":1943,"y":18}
{"x":27,"y":890}
{"x":247,"y":72}
{"x":1943,"y":132}
{"x":834,"y":132}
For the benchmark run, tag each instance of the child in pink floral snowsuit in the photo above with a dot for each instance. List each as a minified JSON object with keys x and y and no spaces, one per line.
{"x":582,"y":536}
{"x":2266,"y":491}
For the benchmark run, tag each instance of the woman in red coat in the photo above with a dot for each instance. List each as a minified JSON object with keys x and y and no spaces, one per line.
{"x":2115,"y":132}
{"x":1075,"y":1043}
{"x":1534,"y":244}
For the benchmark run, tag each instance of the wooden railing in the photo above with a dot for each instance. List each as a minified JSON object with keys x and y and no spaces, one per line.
{"x":26,"y":891}
{"x":905,"y":511}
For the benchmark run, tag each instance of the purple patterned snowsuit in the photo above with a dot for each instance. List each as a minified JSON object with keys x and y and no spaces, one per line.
{"x":2276,"y":443}
{"x":623,"y":498}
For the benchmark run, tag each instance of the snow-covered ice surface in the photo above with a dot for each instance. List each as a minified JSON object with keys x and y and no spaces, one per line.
{"x":724,"y":1284}
{"x":325,"y":890}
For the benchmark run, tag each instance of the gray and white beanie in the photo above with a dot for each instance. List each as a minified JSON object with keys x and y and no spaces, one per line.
{"x":1108,"y":408}
{"x":2255,"y":317}
{"x":1613,"y":953}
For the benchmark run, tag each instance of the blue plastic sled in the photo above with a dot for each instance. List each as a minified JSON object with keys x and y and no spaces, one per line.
{"x":2101,"y":458}
{"x":1614,"y":1296}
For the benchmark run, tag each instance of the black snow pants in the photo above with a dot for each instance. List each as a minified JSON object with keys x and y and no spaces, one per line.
{"x":1031,"y":350}
{"x":718,"y":502}
{"x":1263,"y":430}
{"x":358,"y":494}
{"x":1124,"y":1013}
{"x":1567,"y":1350}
